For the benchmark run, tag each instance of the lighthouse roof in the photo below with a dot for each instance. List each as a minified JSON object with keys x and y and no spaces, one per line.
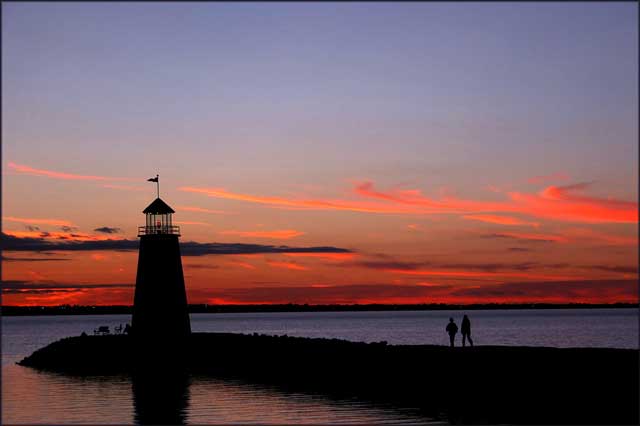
{"x":158,"y":207}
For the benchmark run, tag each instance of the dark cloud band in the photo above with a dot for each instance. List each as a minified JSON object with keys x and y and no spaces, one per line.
{"x":107,"y":230}
{"x":189,"y":248}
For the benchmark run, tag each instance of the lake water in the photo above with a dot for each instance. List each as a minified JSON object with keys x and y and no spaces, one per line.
{"x":32,"y":397}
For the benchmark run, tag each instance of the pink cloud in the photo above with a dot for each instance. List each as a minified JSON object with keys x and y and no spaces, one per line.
{"x":244,"y":265}
{"x":501,"y":220}
{"x":530,"y":237}
{"x":287,"y":265}
{"x":20,"y":168}
{"x":296,"y":204}
{"x":54,"y":222}
{"x":565,"y":203}
{"x":555,"y":203}
{"x":589,"y":235}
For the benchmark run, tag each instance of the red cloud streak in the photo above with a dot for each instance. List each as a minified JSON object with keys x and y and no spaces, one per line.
{"x":20,"y":168}
{"x":478,"y":274}
{"x":591,"y":291}
{"x":54,"y":222}
{"x":501,"y":220}
{"x":556,"y":203}
{"x":604,"y":291}
{"x":287,"y":265}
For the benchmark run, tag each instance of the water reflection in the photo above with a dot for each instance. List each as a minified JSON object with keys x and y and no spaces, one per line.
{"x":181,"y":399}
{"x":161,"y":398}
{"x":33,"y":397}
{"x":225,"y":401}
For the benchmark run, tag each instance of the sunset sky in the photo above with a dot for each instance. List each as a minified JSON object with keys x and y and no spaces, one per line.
{"x":403,"y":153}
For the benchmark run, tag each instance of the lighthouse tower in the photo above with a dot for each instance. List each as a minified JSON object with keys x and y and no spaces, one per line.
{"x":160,"y":302}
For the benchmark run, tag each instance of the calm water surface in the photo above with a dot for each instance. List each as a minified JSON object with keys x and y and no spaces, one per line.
{"x":33,"y":397}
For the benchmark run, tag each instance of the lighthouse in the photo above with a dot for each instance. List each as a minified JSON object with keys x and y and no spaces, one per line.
{"x":160,"y":301}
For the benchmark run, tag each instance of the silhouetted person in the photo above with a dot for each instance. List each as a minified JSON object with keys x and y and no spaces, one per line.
{"x":452,"y":329}
{"x":465,"y":329}
{"x":127,"y":329}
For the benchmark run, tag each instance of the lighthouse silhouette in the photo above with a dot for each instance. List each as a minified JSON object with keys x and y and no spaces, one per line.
{"x":160,"y":301}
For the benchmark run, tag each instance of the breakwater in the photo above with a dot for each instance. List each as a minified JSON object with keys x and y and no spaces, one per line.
{"x":486,"y":384}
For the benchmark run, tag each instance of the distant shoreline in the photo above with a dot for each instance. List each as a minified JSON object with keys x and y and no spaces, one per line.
{"x":201,"y":309}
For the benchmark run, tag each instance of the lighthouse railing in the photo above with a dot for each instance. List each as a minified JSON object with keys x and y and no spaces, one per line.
{"x":158,"y":230}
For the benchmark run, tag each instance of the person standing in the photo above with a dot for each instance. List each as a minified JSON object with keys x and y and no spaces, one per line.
{"x":452,"y":329}
{"x":465,"y":329}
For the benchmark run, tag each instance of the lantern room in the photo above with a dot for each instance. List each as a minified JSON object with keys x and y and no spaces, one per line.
{"x":158,"y":220}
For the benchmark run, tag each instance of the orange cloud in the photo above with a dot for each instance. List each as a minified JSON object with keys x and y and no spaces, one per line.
{"x":556,"y":203}
{"x":428,"y":284}
{"x":244,"y":265}
{"x":296,"y":204}
{"x":81,"y":296}
{"x":287,"y":265}
{"x":20,"y":168}
{"x":200,"y":210}
{"x":562,"y":203}
{"x":284,"y":234}
{"x":183,"y":222}
{"x":54,"y":222}
{"x":501,"y":220}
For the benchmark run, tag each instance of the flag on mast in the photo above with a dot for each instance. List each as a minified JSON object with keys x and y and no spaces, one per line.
{"x":155,"y":179}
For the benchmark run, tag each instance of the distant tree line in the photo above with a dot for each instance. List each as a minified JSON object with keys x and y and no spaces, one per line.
{"x":204,"y":308}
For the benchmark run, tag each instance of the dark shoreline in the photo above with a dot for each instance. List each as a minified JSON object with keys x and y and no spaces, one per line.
{"x":198,"y":309}
{"x":483,"y":384}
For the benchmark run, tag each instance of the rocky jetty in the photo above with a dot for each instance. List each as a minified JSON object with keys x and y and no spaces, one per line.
{"x":482,"y":384}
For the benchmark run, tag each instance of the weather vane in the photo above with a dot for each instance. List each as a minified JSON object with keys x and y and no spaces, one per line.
{"x":157,"y":181}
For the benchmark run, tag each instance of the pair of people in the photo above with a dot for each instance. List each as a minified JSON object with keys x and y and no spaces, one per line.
{"x":452,"y":329}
